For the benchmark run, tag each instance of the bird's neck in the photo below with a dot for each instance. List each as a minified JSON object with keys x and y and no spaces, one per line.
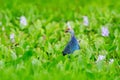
{"x":72,"y":34}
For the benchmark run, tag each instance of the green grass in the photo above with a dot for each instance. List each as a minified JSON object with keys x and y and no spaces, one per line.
{"x":39,"y":45}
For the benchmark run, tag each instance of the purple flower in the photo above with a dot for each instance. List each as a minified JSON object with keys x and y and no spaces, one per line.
{"x":85,"y":21}
{"x":100,"y":58}
{"x":12,"y":37}
{"x":105,"y":31}
{"x":23,"y":21}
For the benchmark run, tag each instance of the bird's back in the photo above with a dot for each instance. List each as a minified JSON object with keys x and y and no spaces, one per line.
{"x":71,"y":46}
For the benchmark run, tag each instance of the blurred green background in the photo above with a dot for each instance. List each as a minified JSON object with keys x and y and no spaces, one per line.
{"x":37,"y":51}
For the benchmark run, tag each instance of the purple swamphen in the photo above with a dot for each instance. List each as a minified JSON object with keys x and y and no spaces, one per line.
{"x":73,"y":44}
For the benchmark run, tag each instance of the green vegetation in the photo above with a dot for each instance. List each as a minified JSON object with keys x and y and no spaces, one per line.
{"x":33,"y":51}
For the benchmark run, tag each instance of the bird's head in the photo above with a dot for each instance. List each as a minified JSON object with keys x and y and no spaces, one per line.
{"x":69,"y":29}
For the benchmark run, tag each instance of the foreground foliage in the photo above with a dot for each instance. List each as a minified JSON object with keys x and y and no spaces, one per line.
{"x":32,"y":48}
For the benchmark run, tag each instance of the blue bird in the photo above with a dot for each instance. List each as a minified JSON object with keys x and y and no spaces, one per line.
{"x":73,"y":44}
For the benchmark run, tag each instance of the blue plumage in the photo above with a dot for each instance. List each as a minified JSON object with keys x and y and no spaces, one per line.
{"x":71,"y":46}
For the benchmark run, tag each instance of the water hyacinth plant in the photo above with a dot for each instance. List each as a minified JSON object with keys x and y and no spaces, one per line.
{"x":111,"y":61}
{"x":0,"y":23}
{"x":2,"y":64}
{"x":85,"y":21}
{"x":33,"y":40}
{"x":23,"y":21}
{"x":105,"y":31}
{"x":12,"y":37}
{"x":3,"y":28}
{"x":13,"y":55}
{"x":100,"y":58}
